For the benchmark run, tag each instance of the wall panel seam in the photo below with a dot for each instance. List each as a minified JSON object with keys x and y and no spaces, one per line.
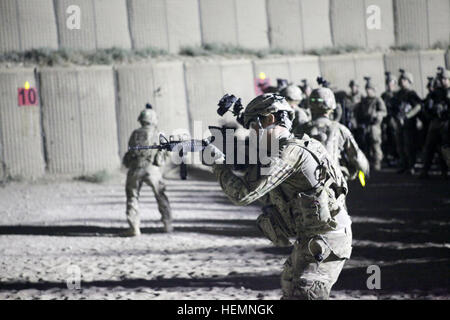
{"x":188,"y":100}
{"x":41,"y":118}
{"x":58,"y":32}
{"x":19,"y":31}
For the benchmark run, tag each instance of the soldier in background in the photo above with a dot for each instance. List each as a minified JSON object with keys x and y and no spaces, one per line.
{"x":437,"y":106}
{"x":336,"y":138}
{"x":306,"y":90}
{"x":389,"y":125}
{"x":303,"y":183}
{"x":348,"y":102}
{"x":409,"y":105}
{"x":369,"y":114}
{"x":281,"y":85}
{"x":293,"y":96}
{"x":144,"y":167}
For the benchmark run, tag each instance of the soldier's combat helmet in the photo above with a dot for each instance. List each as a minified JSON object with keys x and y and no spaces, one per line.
{"x":352,"y":83}
{"x":369,"y":84}
{"x":292,"y":93}
{"x":443,"y":73}
{"x":322,"y":100}
{"x":406,"y":75}
{"x":266,"y":104}
{"x":390,"y":77}
{"x":148,"y":115}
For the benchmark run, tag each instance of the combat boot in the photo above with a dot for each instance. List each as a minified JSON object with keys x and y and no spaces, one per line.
{"x":168,"y":228}
{"x":130,"y":232}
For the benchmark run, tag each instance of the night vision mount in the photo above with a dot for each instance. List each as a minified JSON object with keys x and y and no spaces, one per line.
{"x":230,"y":102}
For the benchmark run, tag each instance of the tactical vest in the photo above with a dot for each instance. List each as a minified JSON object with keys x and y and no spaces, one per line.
{"x":327,"y":132}
{"x":312,"y":211}
{"x":135,"y":159}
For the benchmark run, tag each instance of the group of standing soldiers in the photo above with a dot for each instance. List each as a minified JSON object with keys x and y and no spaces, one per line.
{"x":416,"y":126}
{"x":396,"y":128}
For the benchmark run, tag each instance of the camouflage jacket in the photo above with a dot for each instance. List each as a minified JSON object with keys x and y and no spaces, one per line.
{"x":370,"y":111}
{"x":302,"y":116}
{"x":340,"y":145}
{"x":302,"y":182}
{"x":144,"y":136}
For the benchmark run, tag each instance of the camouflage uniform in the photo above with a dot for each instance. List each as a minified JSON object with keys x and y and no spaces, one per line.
{"x":293,"y":95}
{"x":407,"y":104}
{"x":439,"y":109}
{"x":347,"y":102}
{"x":144,"y":167}
{"x":389,"y":125}
{"x":369,"y":114}
{"x":306,"y":192}
{"x":336,"y":138}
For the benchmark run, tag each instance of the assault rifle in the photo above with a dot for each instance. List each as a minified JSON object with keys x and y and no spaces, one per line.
{"x":180,"y":146}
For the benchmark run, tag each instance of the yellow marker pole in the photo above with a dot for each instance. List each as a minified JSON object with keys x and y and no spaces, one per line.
{"x":362,"y":178}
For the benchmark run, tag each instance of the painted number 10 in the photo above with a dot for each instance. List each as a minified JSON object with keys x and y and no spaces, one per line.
{"x":27,"y":97}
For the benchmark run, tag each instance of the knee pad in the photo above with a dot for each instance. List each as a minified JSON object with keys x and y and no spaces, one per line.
{"x":304,"y":289}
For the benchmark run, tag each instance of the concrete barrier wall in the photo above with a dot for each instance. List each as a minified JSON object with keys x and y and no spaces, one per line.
{"x":273,"y":69}
{"x":162,"y":85}
{"x":285,"y":24}
{"x":370,"y":65}
{"x":423,"y":23}
{"x":104,"y":24}
{"x":112,"y":24}
{"x":237,"y":79}
{"x":293,"y":69}
{"x":207,"y":82}
{"x":420,"y":64}
{"x":316,"y":24}
{"x":234,"y":22}
{"x":411,"y":22}
{"x":27,"y":24}
{"x":439,"y":22}
{"x":299,"y":25}
{"x":84,"y":38}
{"x":353,"y":23}
{"x":21,"y":150}
{"x":339,"y":70}
{"x":135,"y":88}
{"x":252,"y":29}
{"x":384,"y":37}
{"x":79,"y":119}
{"x":171,"y":24}
{"x":165,"y":24}
{"x":304,"y":68}
{"x":87,"y":117}
{"x":347,"y":22}
{"x":204,"y":89}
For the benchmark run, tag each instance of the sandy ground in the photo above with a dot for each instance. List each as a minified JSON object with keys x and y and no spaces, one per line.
{"x":47,"y":228}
